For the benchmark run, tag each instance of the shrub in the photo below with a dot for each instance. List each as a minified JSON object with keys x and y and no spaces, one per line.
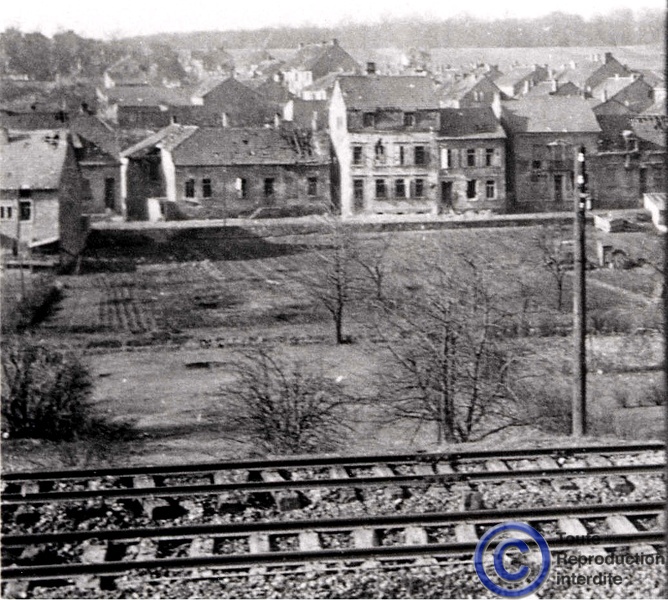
{"x":281,"y":407}
{"x":45,"y":391}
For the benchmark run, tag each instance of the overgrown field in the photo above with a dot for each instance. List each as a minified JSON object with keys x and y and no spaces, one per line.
{"x":180,"y":310}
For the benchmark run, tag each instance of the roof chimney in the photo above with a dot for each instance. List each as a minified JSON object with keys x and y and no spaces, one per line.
{"x":608,"y":57}
{"x":371,"y":68}
{"x":335,"y":42}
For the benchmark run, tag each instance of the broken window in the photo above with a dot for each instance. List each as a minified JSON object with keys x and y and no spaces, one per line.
{"x":312,"y":186}
{"x":400,"y":188}
{"x":471,"y":189}
{"x":381,"y":190}
{"x":190,"y":188}
{"x":206,"y":188}
{"x":357,"y":155}
{"x":420,"y":155}
{"x":490,"y":189}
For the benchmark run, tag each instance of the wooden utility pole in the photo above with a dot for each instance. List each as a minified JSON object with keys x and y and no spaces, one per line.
{"x":579,"y":302}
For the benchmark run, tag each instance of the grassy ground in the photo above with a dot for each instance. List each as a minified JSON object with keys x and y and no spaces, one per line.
{"x":184,"y":306}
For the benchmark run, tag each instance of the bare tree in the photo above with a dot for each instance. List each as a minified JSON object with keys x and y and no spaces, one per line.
{"x":330,"y":280}
{"x":449,"y":365}
{"x":282,"y":407}
{"x":373,"y":261}
{"x":553,"y":258}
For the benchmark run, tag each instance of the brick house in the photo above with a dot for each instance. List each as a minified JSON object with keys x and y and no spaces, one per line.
{"x":97,"y":151}
{"x":587,"y":75}
{"x":229,"y":171}
{"x":41,"y":191}
{"x":383,"y":133}
{"x":623,"y":94}
{"x":544,"y":133}
{"x":630,"y":161}
{"x":472,"y":160}
{"x":216,"y":102}
{"x":518,"y":81}
{"x":313,"y":61}
{"x":471,"y":91}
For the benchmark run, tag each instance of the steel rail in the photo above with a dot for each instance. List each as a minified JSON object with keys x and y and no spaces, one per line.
{"x":541,"y":513}
{"x":63,"y":571}
{"x":325,"y":461}
{"x":348,"y":482}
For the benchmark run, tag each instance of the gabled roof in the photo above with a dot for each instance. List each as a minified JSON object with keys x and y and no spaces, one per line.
{"x":478,"y":122}
{"x":543,"y":114}
{"x":207,"y":86}
{"x":658,"y":108}
{"x":147,"y":96}
{"x":544,"y":88}
{"x":220,"y":146}
{"x":651,"y":128}
{"x":167,"y":138}
{"x":91,"y":128}
{"x":216,"y":146}
{"x":364,"y":92}
{"x":514,"y":76}
{"x":303,"y":112}
{"x":33,"y":160}
{"x":461,"y":87}
{"x":579,"y":73}
{"x":611,"y":86}
{"x":652,"y":77}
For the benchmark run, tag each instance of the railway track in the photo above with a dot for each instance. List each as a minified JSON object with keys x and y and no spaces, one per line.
{"x":412,"y":470}
{"x":69,"y":550}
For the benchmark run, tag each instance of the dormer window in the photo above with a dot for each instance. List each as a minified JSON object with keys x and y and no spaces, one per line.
{"x":369,"y":119}
{"x":409,"y":119}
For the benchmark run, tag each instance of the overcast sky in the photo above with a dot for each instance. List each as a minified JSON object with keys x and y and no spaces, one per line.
{"x":131,"y":17}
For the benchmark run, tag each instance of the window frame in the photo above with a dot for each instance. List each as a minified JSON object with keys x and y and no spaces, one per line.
{"x":358,"y":155}
{"x":471,"y":189}
{"x":489,"y":157}
{"x":269,"y":187}
{"x":470,"y":157}
{"x":368,"y":119}
{"x":358,"y":189}
{"x":312,"y":186}
{"x":381,"y":186}
{"x":409,"y":119}
{"x":189,"y":191}
{"x":6,"y":212}
{"x":418,"y":187}
{"x":207,"y":188}
{"x":490,"y":184}
{"x":400,"y":188}
{"x":421,"y":152}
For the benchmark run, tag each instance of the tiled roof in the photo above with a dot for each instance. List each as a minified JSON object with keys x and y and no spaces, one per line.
{"x":459,"y":88}
{"x":169,"y":137}
{"x":96,"y":131}
{"x":542,"y":114}
{"x":207,"y":86}
{"x":544,"y":88}
{"x":369,"y":92}
{"x":214,"y":146}
{"x":514,"y":76}
{"x":148,"y":96}
{"x":612,"y":86}
{"x":303,"y":112}
{"x":470,"y":122}
{"x":651,"y":128}
{"x":33,"y":160}
{"x":578,"y":74}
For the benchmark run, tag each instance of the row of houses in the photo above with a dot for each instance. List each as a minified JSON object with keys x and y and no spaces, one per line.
{"x":358,"y":145}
